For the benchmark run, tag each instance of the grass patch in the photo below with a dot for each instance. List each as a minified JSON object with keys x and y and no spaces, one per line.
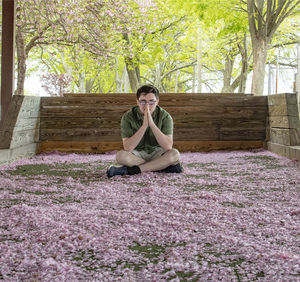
{"x":198,"y":176}
{"x":141,"y":184}
{"x":267,"y":161}
{"x":86,"y":259}
{"x":196,"y":187}
{"x":38,"y":193}
{"x":11,"y":202}
{"x":184,"y":276}
{"x":10,"y":238}
{"x":81,"y":171}
{"x":232,"y":204}
{"x":65,"y":200}
{"x":32,"y":169}
{"x":260,"y":158}
{"x":260,"y":274}
{"x":151,"y":252}
{"x":200,"y":165}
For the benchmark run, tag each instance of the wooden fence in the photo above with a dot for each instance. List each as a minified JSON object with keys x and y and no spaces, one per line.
{"x":91,"y":122}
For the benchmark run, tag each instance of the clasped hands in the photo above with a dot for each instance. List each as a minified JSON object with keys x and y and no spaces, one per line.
{"x":148,"y":120}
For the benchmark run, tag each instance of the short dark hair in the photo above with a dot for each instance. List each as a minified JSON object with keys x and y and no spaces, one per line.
{"x":146,"y":89}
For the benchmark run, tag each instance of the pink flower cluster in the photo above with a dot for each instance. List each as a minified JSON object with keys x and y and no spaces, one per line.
{"x":231,"y":216}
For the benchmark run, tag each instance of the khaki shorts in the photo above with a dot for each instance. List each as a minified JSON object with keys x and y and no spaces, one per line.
{"x":148,"y":157}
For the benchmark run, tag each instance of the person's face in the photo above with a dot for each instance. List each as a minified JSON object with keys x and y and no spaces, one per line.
{"x":147,"y":100}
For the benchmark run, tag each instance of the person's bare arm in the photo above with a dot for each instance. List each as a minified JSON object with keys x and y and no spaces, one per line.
{"x":165,"y":141}
{"x":130,"y":143}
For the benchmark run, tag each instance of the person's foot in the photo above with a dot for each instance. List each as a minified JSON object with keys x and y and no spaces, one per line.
{"x":114,"y":170}
{"x":173,"y":169}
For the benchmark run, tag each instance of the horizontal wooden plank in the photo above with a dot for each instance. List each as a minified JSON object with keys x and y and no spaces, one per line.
{"x":80,"y":134}
{"x":182,"y":146}
{"x":79,"y":147}
{"x":164,"y":100}
{"x":177,"y":94}
{"x":203,"y":133}
{"x":66,"y":123}
{"x":116,"y":113}
{"x":205,"y":146}
{"x":199,"y":133}
{"x":179,"y":121}
{"x":96,"y":134}
{"x":88,"y":111}
{"x":197,"y":117}
{"x":242,"y":134}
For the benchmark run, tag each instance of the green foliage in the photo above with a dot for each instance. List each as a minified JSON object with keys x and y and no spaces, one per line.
{"x":157,"y":39}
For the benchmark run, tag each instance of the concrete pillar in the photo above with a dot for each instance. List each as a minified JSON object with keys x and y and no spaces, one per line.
{"x":7,"y":59}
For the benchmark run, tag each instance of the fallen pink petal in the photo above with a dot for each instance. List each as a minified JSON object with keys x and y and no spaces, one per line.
{"x":230,"y":216}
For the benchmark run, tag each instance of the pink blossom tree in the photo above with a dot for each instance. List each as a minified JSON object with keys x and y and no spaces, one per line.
{"x":39,"y":23}
{"x":55,"y":84}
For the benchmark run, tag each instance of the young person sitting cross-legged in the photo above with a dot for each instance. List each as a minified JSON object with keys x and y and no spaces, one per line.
{"x":147,"y":134}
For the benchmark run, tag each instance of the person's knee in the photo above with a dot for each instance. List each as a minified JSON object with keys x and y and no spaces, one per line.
{"x":122,"y":157}
{"x":174,"y":155}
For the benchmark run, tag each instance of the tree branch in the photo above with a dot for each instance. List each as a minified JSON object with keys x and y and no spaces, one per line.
{"x":178,"y":68}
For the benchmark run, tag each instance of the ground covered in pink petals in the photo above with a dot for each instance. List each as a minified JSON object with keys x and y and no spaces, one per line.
{"x":231,"y":216}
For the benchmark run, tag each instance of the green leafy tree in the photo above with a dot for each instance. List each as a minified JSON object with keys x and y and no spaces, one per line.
{"x":225,"y":47}
{"x":143,"y":26}
{"x":260,"y":18}
{"x":265,"y":17}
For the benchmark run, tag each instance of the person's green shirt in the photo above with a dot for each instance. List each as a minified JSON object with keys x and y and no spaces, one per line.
{"x":132,"y":120}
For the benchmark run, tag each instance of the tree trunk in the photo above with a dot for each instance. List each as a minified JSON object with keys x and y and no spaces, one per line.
{"x":89,"y":85}
{"x":133,"y":80}
{"x":227,"y":73}
{"x":117,"y":77}
{"x":21,"y":57}
{"x":124,"y":82}
{"x":264,"y":18}
{"x":132,"y":69}
{"x":177,"y":74}
{"x":244,"y":70}
{"x":158,"y":77}
{"x":243,"y":80}
{"x":199,"y":63}
{"x":259,"y":64}
{"x":81,"y":81}
{"x":194,"y":80}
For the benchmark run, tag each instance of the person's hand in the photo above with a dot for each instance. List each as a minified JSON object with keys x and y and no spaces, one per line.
{"x":145,"y":121}
{"x":150,"y":119}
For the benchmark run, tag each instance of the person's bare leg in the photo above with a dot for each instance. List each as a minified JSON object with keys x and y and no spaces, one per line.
{"x":128,"y":159}
{"x":170,"y":157}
